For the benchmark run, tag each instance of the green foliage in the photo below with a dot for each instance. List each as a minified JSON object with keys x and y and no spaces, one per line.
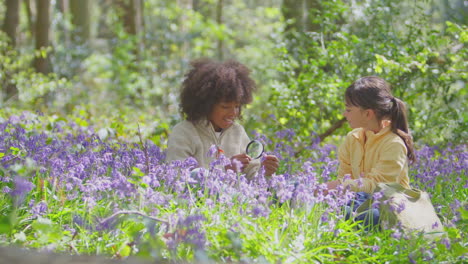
{"x":427,"y":69}
{"x":286,"y":232}
{"x":301,"y":78}
{"x":33,"y":88}
{"x":125,"y":88}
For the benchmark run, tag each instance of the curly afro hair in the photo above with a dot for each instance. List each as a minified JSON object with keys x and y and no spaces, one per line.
{"x":210,"y":82}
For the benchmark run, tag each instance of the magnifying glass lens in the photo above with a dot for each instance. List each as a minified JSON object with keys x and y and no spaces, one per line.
{"x":254,"y":149}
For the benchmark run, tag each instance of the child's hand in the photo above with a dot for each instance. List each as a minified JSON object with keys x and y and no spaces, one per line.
{"x":270,"y":163}
{"x":242,"y":160}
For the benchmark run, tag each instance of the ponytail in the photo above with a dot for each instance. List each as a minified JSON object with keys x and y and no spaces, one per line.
{"x":374,"y":93}
{"x":400,"y":126}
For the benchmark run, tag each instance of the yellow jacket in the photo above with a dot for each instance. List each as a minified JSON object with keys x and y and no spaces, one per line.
{"x":371,"y":158}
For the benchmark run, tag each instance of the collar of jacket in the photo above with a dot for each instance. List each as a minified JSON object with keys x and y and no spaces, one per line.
{"x":369,"y":135}
{"x":207,"y":126}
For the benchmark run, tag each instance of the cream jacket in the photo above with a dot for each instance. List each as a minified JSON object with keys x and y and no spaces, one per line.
{"x":371,"y":158}
{"x":194,"y":139}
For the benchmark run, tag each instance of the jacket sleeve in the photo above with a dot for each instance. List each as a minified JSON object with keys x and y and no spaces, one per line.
{"x":180,"y":144}
{"x":344,"y":158}
{"x":392,"y":161}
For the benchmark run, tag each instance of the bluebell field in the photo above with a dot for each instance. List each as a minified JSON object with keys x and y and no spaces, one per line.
{"x":67,"y":189}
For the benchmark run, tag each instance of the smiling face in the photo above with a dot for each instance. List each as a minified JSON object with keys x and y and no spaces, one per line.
{"x":356,"y":116}
{"x":223,"y":115}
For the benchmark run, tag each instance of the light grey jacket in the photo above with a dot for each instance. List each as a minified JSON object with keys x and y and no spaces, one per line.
{"x":194,"y":139}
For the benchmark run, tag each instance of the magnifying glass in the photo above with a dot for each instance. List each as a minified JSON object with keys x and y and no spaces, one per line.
{"x":254,"y":149}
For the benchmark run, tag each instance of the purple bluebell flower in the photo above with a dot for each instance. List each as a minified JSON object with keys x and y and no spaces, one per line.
{"x":213,"y":151}
{"x":39,"y":209}
{"x":375,"y":248}
{"x":396,"y":233}
{"x":260,"y":211}
{"x":22,"y":188}
{"x":6,"y":189}
{"x":446,"y":242}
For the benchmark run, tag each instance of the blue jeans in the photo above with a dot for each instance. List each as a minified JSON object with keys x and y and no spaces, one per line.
{"x":369,"y":218}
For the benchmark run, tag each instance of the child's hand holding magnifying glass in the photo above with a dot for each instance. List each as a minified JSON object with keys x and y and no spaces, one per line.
{"x":256,"y":150}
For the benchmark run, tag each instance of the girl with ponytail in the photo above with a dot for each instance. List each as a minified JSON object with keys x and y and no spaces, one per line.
{"x":380,"y":146}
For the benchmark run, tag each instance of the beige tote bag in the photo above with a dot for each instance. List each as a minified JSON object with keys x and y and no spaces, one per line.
{"x":410,"y":208}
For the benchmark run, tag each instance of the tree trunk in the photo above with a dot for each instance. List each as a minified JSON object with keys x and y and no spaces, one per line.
{"x":30,"y":15}
{"x":311,"y":7}
{"x":219,"y":20}
{"x":130,"y":12}
{"x":64,"y":7}
{"x":131,"y":15}
{"x":11,"y":22}
{"x":293,"y":12}
{"x":10,"y":26}
{"x":41,"y":63}
{"x":80,"y":13}
{"x":203,"y":8}
{"x":142,"y":18}
{"x":196,"y":5}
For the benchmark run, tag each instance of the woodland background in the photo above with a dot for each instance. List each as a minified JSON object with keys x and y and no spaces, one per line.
{"x":127,"y":58}
{"x":89,"y":93}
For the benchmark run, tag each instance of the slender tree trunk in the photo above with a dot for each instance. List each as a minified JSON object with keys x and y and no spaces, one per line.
{"x":196,"y":5}
{"x":41,"y":63}
{"x":64,"y":8}
{"x":10,"y":26}
{"x":203,"y":8}
{"x":131,"y":12}
{"x":137,"y":15}
{"x":141,"y":14}
{"x":30,"y":14}
{"x":293,"y":12}
{"x":219,"y":20}
{"x":132,"y":17}
{"x":311,"y":7}
{"x":11,"y":22}
{"x":80,"y":13}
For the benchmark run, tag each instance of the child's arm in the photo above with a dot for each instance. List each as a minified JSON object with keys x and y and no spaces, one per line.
{"x":344,"y":158}
{"x":179,"y":144}
{"x":391,"y":163}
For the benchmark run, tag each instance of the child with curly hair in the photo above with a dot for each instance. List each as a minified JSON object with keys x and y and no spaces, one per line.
{"x":213,"y":94}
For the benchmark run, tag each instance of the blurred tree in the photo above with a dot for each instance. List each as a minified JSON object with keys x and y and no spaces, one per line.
{"x":304,"y":18}
{"x":455,"y":11}
{"x":131,"y":14}
{"x":30,"y":17}
{"x":219,"y":20}
{"x":203,"y":7}
{"x":11,"y":21}
{"x":41,"y":63}
{"x":311,"y":9}
{"x":63,"y":6}
{"x":299,"y":15}
{"x":10,"y":26}
{"x":80,"y":18}
{"x":293,"y":15}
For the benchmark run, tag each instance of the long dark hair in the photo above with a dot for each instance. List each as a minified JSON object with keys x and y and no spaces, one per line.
{"x":374,"y":93}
